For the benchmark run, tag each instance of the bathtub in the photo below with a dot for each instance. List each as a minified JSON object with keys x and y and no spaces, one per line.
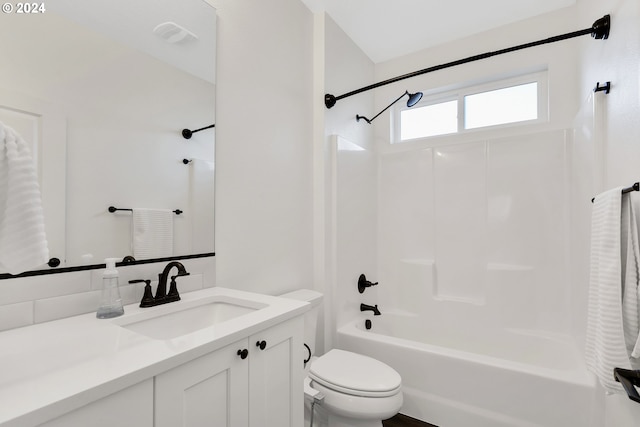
{"x":509,"y":378}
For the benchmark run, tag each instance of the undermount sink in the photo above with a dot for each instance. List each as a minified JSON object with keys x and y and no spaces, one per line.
{"x":177,"y":319}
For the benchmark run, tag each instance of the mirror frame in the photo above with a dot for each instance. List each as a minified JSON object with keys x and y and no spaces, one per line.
{"x":30,"y":273}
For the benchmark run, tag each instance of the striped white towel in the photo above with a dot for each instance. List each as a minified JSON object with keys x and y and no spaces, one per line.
{"x":631,"y":280}
{"x":23,"y":242}
{"x":152,"y":233}
{"x":605,"y":346}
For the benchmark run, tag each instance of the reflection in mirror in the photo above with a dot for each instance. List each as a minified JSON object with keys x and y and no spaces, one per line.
{"x":110,"y":97}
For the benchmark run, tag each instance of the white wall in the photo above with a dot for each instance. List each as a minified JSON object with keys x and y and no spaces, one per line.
{"x":264,"y":168}
{"x":617,"y":60}
{"x":352,"y":184}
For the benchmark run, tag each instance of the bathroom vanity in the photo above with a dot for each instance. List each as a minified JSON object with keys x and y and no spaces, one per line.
{"x":219,"y":354}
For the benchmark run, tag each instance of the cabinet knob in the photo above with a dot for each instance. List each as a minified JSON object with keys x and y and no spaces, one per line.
{"x":262,"y":344}
{"x":243,"y":353}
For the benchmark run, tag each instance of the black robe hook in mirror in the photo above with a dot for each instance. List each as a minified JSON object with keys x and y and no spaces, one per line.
{"x":414,"y":98}
{"x":187,"y":134}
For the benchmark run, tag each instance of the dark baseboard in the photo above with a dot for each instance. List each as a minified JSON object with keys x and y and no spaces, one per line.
{"x":402,"y":420}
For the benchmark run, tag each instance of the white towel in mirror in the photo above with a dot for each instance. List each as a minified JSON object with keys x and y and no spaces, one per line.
{"x":152,"y":233}
{"x":23,"y":242}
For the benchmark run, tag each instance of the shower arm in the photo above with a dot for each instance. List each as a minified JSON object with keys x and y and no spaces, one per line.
{"x":599,"y":30}
{"x":187,"y":134}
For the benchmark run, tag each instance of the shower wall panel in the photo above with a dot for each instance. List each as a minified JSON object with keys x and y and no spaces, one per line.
{"x":478,"y":231}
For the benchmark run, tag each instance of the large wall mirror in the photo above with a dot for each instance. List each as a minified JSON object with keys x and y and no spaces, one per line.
{"x":103,"y":99}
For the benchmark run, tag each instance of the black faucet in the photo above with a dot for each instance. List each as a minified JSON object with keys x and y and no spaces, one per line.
{"x":162,"y":297}
{"x":374,"y":308}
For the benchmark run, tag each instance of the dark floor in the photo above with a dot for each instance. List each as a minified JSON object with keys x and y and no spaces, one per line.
{"x":405,"y":421}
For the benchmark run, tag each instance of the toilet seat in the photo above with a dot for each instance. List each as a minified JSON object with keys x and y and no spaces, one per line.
{"x":355,"y":374}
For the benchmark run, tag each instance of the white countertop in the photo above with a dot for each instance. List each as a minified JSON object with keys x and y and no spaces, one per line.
{"x":49,"y":369}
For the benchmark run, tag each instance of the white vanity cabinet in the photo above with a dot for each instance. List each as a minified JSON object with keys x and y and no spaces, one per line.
{"x":224,"y":389}
{"x":131,"y":407}
{"x":210,"y":390}
{"x":218,"y":357}
{"x":276,"y":374}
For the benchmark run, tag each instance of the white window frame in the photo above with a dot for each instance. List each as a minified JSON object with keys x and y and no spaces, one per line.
{"x":436,"y":97}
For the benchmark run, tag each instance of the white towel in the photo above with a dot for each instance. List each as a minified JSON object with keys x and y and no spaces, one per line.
{"x":23,"y":242}
{"x":631,"y":280}
{"x":605,"y":346}
{"x":152,"y":233}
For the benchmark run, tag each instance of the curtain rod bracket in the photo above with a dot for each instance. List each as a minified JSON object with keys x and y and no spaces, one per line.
{"x":599,"y":30}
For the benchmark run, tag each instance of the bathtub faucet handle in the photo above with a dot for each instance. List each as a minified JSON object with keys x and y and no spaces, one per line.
{"x":363,"y":283}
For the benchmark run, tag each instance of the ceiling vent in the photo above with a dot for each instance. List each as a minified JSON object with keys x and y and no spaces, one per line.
{"x":174,"y":33}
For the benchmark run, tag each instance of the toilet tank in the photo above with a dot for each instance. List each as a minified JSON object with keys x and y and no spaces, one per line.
{"x":310,"y":317}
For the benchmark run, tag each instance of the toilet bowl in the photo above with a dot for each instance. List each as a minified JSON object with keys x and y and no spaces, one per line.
{"x":352,"y":390}
{"x":356,"y":388}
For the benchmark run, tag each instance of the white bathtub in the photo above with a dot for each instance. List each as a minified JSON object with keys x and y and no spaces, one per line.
{"x":511,"y":378}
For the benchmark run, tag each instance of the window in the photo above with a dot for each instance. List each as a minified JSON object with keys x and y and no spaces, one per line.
{"x":505,"y":102}
{"x":430,"y":120}
{"x":501,"y":106}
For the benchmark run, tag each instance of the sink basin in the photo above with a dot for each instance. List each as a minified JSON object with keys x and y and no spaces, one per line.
{"x":177,"y":319}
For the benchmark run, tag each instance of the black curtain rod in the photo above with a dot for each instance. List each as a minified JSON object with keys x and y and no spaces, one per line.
{"x":112,"y":209}
{"x":599,"y":30}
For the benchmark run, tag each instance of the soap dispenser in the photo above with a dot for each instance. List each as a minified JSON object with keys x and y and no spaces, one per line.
{"x":110,"y":303}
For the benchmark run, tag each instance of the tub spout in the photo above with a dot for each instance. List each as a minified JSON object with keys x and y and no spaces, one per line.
{"x":374,"y":308}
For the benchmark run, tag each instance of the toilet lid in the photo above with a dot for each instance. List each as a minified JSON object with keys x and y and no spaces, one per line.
{"x":355,"y":374}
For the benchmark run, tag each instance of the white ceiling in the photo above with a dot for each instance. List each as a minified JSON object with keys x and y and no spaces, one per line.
{"x":131,"y":22}
{"x":386,"y":29}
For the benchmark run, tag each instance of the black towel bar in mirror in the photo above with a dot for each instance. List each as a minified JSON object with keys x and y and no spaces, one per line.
{"x":112,"y":209}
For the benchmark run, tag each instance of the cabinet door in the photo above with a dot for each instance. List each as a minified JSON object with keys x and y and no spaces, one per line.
{"x":275,"y":388}
{"x":208,"y":391}
{"x":131,"y":407}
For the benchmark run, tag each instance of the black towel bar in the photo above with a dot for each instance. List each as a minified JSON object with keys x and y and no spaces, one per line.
{"x":634,"y":187}
{"x":113,"y":209}
{"x":628,"y":379}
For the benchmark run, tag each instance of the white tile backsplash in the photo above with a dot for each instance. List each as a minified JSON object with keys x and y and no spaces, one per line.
{"x":36,"y":299}
{"x":16,"y":315}
{"x":46,"y":286}
{"x":190,"y":283}
{"x":55,"y":308}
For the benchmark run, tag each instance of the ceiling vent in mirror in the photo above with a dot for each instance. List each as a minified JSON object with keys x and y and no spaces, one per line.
{"x":174,"y":33}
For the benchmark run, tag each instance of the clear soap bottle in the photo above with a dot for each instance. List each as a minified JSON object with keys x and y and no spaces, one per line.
{"x":110,"y":302}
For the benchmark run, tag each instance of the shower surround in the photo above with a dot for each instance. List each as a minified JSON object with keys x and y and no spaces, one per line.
{"x":473,"y":254}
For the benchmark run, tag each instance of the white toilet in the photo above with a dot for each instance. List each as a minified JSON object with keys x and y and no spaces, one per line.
{"x":351,"y":389}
